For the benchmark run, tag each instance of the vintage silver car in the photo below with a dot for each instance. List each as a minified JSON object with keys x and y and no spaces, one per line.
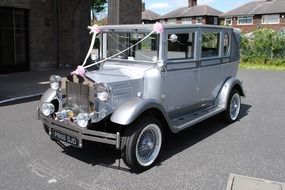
{"x":169,"y":81}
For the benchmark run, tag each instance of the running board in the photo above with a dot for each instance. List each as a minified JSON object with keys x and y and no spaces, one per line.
{"x":193,"y":118}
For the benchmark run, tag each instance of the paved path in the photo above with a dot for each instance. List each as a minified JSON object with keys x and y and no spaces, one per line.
{"x":200,"y":159}
{"x":25,"y":85}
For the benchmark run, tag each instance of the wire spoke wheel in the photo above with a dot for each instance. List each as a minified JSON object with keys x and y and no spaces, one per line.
{"x":235,"y":106}
{"x":148,"y":145}
{"x":144,"y":139}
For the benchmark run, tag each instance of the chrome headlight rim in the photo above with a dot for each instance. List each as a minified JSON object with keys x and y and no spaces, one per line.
{"x":54,"y":81}
{"x":47,"y":109}
{"x":103,"y":92}
{"x":82,"y":120}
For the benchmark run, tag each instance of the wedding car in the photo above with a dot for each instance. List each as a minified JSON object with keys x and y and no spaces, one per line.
{"x":147,"y":82}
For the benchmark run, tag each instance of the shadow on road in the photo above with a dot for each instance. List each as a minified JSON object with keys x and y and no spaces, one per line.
{"x":97,"y":154}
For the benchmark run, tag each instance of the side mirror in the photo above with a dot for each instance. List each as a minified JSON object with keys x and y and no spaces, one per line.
{"x":173,"y":38}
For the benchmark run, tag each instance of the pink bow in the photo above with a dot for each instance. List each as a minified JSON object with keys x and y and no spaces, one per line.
{"x":79,"y":71}
{"x":158,"y":28}
{"x":94,"y":29}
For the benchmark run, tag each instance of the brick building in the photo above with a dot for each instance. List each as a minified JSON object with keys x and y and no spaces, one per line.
{"x":148,"y":16}
{"x":124,"y":11}
{"x":193,"y":14}
{"x":257,"y":14}
{"x":42,"y":34}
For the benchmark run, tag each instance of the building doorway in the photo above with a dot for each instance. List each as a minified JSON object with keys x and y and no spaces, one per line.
{"x":13,"y":40}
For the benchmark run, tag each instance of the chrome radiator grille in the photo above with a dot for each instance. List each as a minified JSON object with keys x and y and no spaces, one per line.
{"x":77,"y":97}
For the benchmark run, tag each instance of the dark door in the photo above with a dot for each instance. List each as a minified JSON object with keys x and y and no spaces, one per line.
{"x":13,"y":40}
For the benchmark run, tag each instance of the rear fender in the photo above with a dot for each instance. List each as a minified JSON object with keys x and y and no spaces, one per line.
{"x":226,"y":90}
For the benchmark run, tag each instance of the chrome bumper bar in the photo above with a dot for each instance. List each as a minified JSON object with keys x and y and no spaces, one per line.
{"x":80,"y":133}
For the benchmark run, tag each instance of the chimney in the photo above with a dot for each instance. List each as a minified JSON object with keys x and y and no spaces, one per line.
{"x":192,"y":3}
{"x":143,"y":6}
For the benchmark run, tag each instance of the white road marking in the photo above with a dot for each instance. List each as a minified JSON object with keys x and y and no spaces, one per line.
{"x":44,"y":82}
{"x":51,"y":181}
{"x":19,"y":98}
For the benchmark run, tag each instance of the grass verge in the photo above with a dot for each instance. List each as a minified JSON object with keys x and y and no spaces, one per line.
{"x":262,"y":67}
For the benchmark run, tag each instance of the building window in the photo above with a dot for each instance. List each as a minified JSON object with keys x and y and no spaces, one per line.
{"x":199,"y":20}
{"x":215,"y":21}
{"x":271,"y":19}
{"x":182,"y":47}
{"x":245,"y":20}
{"x":13,"y":40}
{"x":186,"y":21}
{"x":171,"y":21}
{"x":210,"y":44}
{"x":228,"y":21}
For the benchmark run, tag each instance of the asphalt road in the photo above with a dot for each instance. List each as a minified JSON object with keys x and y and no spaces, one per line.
{"x":200,"y":158}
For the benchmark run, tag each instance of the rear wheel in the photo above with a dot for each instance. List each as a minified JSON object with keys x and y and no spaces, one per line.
{"x":143,"y":144}
{"x":233,"y":106}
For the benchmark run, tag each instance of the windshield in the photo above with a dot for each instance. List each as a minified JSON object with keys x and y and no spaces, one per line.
{"x":114,"y":43}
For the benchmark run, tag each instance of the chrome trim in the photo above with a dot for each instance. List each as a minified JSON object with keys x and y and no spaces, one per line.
{"x":82,"y":133}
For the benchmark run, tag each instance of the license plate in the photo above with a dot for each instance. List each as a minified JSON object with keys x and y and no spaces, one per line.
{"x":64,"y":137}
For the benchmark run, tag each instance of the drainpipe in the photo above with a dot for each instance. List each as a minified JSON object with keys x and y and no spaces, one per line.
{"x":57,"y":31}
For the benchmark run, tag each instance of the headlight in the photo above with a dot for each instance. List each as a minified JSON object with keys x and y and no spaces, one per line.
{"x":82,"y":119}
{"x":102,"y":92}
{"x":47,"y":109}
{"x":54,"y":82}
{"x":103,"y":96}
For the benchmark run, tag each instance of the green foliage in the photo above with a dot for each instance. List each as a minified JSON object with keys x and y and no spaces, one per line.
{"x":264,"y":46}
{"x":98,"y":5}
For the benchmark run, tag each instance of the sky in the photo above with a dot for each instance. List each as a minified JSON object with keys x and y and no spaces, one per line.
{"x":164,"y":6}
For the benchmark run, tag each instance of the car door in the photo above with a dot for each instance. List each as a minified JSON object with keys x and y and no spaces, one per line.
{"x":181,"y":77}
{"x":211,"y":72}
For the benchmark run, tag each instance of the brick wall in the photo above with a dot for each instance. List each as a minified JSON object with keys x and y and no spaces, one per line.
{"x":15,"y":3}
{"x":124,"y":11}
{"x":47,"y":49}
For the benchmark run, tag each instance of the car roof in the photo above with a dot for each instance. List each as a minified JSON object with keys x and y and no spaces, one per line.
{"x":165,"y":26}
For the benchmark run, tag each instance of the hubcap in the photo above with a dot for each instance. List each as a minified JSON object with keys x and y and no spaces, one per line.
{"x":148,"y":145}
{"x":235,"y":106}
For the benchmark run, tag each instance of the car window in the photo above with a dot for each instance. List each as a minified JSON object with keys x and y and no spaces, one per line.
{"x":210,"y":44}
{"x":182,"y":47}
{"x":226,"y":44}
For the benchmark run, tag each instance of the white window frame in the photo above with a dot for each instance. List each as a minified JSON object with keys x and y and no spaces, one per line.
{"x":242,"y":17}
{"x":216,"y":20}
{"x":266,"y":19}
{"x":172,"y":21}
{"x":228,"y":19}
{"x":199,"y":18}
{"x":186,"y":21}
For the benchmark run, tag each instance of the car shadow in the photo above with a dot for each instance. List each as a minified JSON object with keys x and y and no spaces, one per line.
{"x":104,"y":155}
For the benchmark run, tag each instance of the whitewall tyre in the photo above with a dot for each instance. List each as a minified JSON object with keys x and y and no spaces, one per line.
{"x":143,"y":143}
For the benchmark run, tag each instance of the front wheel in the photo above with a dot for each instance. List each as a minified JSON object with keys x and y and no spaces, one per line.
{"x":233,"y":106}
{"x":143,"y":144}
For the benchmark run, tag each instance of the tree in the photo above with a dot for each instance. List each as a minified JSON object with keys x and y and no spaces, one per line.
{"x":98,"y":6}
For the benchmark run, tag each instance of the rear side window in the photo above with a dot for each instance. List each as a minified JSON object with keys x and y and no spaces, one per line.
{"x":181,"y":46}
{"x":226,"y":44}
{"x":210,"y":44}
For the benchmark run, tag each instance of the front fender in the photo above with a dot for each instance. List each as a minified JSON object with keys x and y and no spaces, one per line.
{"x":132,"y":109}
{"x":227,"y":88}
{"x":48,"y":96}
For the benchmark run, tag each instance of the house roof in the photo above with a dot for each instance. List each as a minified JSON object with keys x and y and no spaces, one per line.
{"x":200,"y":10}
{"x":258,"y":7}
{"x":149,"y":15}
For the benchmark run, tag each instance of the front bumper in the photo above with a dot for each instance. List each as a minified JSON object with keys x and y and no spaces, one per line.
{"x":80,"y":133}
